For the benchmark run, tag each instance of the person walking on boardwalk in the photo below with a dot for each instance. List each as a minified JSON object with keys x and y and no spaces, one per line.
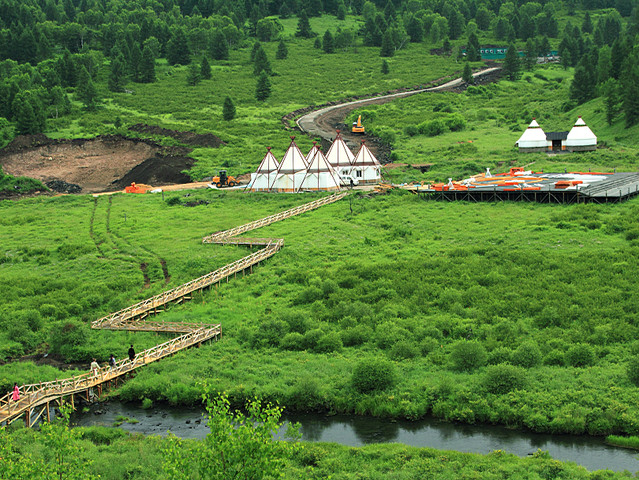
{"x":131,"y":353}
{"x":112,"y":361}
{"x":95,"y":367}
{"x":15,"y":396}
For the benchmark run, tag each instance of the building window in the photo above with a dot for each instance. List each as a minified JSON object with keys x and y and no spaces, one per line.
{"x":358,"y":174}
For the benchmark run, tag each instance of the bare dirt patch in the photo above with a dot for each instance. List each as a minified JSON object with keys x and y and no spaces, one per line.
{"x":103,"y":163}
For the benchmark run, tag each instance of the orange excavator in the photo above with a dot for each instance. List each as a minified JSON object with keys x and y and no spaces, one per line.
{"x":357,"y":126}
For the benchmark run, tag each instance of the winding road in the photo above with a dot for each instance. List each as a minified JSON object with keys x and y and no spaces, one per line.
{"x":323,"y":123}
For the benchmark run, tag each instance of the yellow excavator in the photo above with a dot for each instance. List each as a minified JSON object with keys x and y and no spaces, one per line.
{"x":357,"y":126}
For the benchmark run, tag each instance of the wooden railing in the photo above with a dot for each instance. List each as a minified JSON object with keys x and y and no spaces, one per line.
{"x":131,"y":318}
{"x":274,"y":218}
{"x":36,"y":394}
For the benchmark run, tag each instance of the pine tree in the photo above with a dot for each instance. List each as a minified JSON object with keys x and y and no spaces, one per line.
{"x":86,"y":91}
{"x":136,"y":61}
{"x":24,"y":115}
{"x":205,"y":69}
{"x":68,"y":70}
{"x":177,"y":49}
{"x":341,"y":11}
{"x":228,"y":109}
{"x":282,"y":51}
{"x":328,"y":43}
{"x":511,"y":66}
{"x":446,"y":45}
{"x":147,"y":66}
{"x":263,"y":89}
{"x":385,"y":68}
{"x":473,"y":49}
{"x":586,"y":26}
{"x":612,"y":99}
{"x":219,"y":46}
{"x":117,"y":76}
{"x":304,"y":26}
{"x":583,"y":84}
{"x":630,"y":85}
{"x":193,"y":75}
{"x":467,"y":75}
{"x":530,"y":60}
{"x":256,"y":46}
{"x":388,"y":49}
{"x":261,"y":62}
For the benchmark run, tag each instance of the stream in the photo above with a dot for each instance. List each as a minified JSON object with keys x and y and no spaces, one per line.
{"x":356,"y":431}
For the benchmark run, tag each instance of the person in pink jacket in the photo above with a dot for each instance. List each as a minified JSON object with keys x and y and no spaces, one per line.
{"x":16,"y":393}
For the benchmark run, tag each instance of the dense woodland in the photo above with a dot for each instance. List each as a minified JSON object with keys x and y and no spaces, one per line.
{"x":53,"y":52}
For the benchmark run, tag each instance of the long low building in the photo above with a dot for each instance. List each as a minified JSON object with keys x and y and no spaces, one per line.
{"x":580,"y":138}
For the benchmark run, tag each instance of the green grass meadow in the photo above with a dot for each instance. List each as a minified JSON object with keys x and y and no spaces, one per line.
{"x":507,"y":313}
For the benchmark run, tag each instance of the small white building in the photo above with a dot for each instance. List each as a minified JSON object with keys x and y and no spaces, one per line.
{"x":291,"y":170}
{"x":580,"y":138}
{"x":265,"y":174}
{"x":366,"y":168}
{"x":320,"y":175}
{"x":533,"y":139}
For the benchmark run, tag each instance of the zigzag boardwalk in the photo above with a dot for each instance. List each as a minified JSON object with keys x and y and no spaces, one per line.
{"x":36,"y":399}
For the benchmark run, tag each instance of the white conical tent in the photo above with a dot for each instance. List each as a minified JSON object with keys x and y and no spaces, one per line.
{"x":581,"y":135}
{"x":366,"y":168}
{"x":339,"y":156}
{"x":263,"y":177}
{"x":320,"y":174}
{"x":533,"y":137}
{"x":291,"y":171}
{"x":311,"y":154}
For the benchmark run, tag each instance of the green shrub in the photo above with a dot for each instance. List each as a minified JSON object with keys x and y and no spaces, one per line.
{"x":500,"y":355}
{"x":580,"y":355}
{"x":102,"y":435}
{"x":351,"y":337}
{"x":403,"y":350}
{"x":69,"y":339}
{"x":554,"y":357}
{"x":503,"y":378}
{"x":432,"y":128}
{"x":455,"y":122}
{"x":311,"y":338}
{"x":527,"y":355}
{"x":386,"y":135}
{"x":411,"y":130}
{"x":331,"y":342}
{"x":468,"y":355}
{"x":172,"y":201}
{"x":429,"y":344}
{"x":632,"y":370}
{"x":373,"y":374}
{"x":292,"y":341}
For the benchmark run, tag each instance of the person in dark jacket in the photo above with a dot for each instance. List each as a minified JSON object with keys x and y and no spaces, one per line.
{"x":131,"y":353}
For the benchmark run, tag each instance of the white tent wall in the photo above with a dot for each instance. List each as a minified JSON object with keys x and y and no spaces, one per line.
{"x":533,"y":139}
{"x":580,"y":137}
{"x":366,"y":168}
{"x":288,"y":182}
{"x":320,"y":174}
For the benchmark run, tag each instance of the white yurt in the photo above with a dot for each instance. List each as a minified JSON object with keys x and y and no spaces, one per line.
{"x":366,"y":168}
{"x":291,"y":171}
{"x":580,"y":138}
{"x":339,"y":156}
{"x":263,"y":177}
{"x":533,"y":139}
{"x":320,"y":175}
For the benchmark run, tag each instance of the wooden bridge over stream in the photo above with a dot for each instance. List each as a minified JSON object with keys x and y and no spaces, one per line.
{"x":36,"y":400}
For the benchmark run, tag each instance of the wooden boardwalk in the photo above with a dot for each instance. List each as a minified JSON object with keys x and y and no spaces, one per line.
{"x":36,"y":399}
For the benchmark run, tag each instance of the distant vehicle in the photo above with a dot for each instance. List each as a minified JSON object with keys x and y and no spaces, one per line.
{"x":349,"y":180}
{"x":357,"y":126}
{"x":224,"y":180}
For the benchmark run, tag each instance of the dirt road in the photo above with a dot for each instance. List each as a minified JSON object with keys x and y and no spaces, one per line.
{"x":323,"y":123}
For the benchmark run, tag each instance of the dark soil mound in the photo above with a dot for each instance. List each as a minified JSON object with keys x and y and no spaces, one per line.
{"x":187,"y":138}
{"x":27,"y":141}
{"x":158,"y":170}
{"x":61,"y":186}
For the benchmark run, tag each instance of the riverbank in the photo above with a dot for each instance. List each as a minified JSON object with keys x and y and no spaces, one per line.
{"x":589,"y":452}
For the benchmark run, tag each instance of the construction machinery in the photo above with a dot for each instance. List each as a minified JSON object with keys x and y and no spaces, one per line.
{"x":357,"y":126}
{"x":224,"y":180}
